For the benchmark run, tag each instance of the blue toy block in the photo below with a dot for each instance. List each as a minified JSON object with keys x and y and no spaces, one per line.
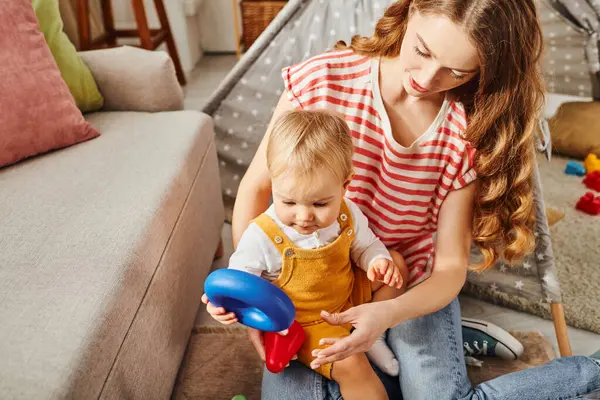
{"x":575,"y":168}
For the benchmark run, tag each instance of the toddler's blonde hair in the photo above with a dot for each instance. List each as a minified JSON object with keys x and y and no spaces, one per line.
{"x":303,"y":143}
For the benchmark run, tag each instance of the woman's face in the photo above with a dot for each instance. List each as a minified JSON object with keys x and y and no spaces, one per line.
{"x":436,"y":55}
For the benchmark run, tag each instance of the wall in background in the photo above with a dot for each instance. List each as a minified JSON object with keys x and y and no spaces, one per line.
{"x":197,"y":25}
{"x":183,"y":17}
{"x":216,"y":26}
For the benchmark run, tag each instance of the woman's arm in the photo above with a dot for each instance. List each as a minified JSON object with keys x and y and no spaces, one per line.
{"x":255,"y":187}
{"x":452,"y":258}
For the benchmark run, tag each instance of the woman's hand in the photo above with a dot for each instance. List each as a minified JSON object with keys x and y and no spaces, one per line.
{"x":369,"y":321}
{"x":258,"y":341}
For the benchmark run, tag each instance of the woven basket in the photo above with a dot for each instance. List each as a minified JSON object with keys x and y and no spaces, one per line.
{"x":256,"y":16}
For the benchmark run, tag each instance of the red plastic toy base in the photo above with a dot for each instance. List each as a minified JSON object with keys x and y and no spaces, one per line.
{"x":589,"y":204}
{"x":280,"y":349}
{"x":592,"y":181}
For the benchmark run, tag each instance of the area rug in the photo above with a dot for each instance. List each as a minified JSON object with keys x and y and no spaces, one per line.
{"x":538,"y":351}
{"x":220,"y":363}
{"x":575,"y":241}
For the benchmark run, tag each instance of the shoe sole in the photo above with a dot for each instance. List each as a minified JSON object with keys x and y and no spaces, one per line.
{"x":513,"y":349}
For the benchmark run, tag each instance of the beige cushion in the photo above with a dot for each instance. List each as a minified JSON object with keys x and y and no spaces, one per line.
{"x":133,"y":79}
{"x":575,"y":129}
{"x":82,"y":232}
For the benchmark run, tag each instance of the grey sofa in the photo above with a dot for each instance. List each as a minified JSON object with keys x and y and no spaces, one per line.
{"x":104,"y":245}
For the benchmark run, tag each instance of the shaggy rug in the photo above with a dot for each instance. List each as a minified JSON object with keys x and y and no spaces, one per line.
{"x":575,"y":244}
{"x":220,"y":363}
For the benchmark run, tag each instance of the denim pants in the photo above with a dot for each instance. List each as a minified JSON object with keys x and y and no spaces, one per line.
{"x":432,"y":367}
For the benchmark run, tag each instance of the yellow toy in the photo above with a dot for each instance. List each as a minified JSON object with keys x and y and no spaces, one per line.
{"x":591,"y":163}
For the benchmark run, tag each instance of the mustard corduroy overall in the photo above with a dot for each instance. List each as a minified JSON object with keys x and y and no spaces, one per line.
{"x":319,"y":279}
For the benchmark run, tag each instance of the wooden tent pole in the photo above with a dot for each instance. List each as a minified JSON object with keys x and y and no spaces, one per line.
{"x":560,"y":326}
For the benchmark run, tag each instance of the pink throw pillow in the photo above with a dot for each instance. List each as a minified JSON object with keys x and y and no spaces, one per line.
{"x":37,"y":111}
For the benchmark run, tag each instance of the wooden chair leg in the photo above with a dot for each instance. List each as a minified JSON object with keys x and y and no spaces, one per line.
{"x":83,"y":23}
{"x":166,"y":26}
{"x":142,"y":24}
{"x":109,"y":23}
{"x":560,"y":326}
{"x":220,"y":251}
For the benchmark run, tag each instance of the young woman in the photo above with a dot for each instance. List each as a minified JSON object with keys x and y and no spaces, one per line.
{"x":442,"y":104}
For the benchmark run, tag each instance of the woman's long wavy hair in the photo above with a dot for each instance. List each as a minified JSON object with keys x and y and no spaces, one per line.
{"x":503,"y":103}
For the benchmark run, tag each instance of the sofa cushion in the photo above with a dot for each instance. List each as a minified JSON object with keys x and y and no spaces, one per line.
{"x":38,"y":111}
{"x":83,"y":230}
{"x":73,"y":70}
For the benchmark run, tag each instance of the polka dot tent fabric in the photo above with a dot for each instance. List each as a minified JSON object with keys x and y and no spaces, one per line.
{"x":243,"y":105}
{"x":244,"y":102}
{"x":571,"y":64}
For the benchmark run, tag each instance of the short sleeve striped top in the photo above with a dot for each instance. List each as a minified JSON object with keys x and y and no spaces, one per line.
{"x":399,"y":189}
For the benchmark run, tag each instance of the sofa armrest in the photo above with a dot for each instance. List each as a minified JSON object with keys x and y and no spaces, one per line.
{"x":133,"y":79}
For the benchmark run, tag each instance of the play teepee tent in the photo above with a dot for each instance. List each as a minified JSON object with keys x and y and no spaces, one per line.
{"x":579,"y":22}
{"x":243,"y":104}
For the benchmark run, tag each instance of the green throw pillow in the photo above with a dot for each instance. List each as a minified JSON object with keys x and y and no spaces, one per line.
{"x":76,"y":74}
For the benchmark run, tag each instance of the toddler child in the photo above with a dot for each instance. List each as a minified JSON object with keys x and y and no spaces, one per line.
{"x":306,"y":242}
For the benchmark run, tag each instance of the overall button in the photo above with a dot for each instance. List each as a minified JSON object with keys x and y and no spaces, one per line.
{"x":343,"y":217}
{"x":289,"y":252}
{"x":350,"y":232}
{"x":278,"y":239}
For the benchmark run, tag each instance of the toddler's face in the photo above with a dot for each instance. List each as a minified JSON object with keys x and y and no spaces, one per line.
{"x":311,"y":205}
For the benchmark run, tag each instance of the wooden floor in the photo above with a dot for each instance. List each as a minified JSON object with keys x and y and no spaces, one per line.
{"x":211,"y":70}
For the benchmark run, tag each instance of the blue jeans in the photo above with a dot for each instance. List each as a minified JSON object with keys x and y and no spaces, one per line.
{"x":432,"y":366}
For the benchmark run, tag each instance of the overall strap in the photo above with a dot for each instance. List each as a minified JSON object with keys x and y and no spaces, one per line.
{"x":345,"y":219}
{"x":273,"y":231}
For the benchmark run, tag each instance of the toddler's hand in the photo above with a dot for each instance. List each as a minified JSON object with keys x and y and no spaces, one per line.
{"x":385,"y":271}
{"x":219,"y":313}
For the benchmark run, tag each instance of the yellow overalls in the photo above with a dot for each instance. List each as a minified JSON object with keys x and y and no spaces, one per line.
{"x":319,"y":279}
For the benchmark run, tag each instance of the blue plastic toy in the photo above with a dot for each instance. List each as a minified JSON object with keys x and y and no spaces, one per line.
{"x":575,"y":168}
{"x":257,"y":302}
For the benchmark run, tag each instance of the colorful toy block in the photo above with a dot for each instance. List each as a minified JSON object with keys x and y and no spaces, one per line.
{"x":575,"y":168}
{"x":589,"y":204}
{"x":591,"y":163}
{"x":592,"y":181}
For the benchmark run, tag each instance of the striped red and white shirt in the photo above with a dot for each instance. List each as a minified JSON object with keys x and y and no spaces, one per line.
{"x":399,"y":189}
